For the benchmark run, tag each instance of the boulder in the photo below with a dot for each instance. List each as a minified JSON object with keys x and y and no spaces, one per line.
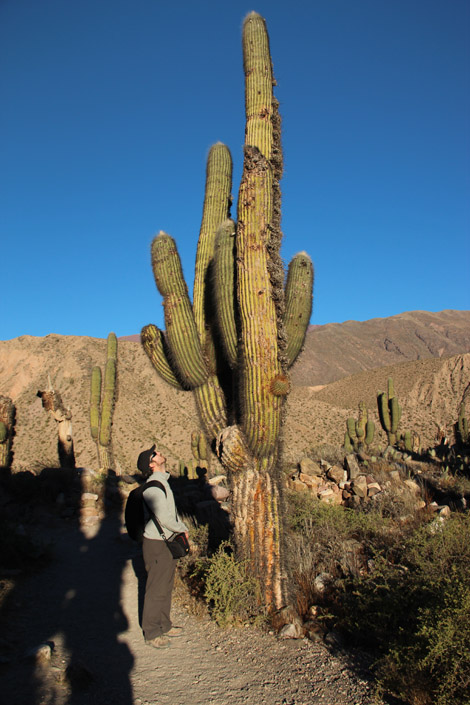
{"x":352,"y":466}
{"x":373,"y":488}
{"x":359,"y":486}
{"x":291,"y":631}
{"x":309,"y":467}
{"x":336,"y":474}
{"x":311,"y":481}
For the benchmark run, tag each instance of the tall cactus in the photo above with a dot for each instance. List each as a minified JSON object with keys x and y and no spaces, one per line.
{"x":389,"y":412}
{"x":7,"y":426}
{"x":231,"y":347}
{"x":102,"y":404}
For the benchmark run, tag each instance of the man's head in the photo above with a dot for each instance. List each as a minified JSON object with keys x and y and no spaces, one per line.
{"x":150,"y":461}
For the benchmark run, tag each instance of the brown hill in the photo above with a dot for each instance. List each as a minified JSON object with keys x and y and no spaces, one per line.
{"x":147,"y":409}
{"x":337,"y":350}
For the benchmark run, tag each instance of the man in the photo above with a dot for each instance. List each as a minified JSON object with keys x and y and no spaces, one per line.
{"x":159,"y":563}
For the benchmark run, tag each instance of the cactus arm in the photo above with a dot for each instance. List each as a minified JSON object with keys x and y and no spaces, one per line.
{"x":108,"y":402}
{"x":210,"y":402}
{"x":370,"y":432}
{"x":182,"y":337}
{"x":224,"y":289}
{"x":153,"y":342}
{"x":395,"y":413}
{"x":384,"y":413}
{"x":299,"y":287}
{"x":215,"y":210}
{"x":348,"y":446}
{"x":95,"y":400}
{"x":194,"y":444}
{"x":351,"y":429}
{"x":258,"y":85}
{"x":111,"y":347}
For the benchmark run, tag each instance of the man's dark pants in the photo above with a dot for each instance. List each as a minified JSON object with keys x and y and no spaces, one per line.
{"x":160,"y":567}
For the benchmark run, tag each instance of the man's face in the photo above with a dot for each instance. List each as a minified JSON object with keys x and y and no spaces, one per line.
{"x":157,"y":461}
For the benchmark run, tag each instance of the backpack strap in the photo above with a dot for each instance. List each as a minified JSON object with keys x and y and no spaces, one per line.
{"x":155,"y":483}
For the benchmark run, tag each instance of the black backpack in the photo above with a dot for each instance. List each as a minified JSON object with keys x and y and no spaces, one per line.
{"x":134,"y":514}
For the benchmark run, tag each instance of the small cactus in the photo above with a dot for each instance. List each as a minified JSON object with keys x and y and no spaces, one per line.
{"x":102,"y":400}
{"x":389,"y":412}
{"x":360,"y":433}
{"x":461,"y":427}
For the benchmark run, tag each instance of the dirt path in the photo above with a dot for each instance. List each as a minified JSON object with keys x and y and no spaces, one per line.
{"x":86,"y":602}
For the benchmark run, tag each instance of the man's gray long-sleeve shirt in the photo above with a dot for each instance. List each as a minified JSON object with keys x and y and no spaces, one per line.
{"x":163,"y":507}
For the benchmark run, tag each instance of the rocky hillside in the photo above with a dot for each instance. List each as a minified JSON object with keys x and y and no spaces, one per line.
{"x":337,"y":350}
{"x":430,"y":391}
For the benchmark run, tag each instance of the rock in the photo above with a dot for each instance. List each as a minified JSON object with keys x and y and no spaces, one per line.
{"x":88,"y":511}
{"x":444,"y":511}
{"x":41,"y":654}
{"x":322,"y":582}
{"x":297,"y":485}
{"x":352,"y":466}
{"x":395,"y":475}
{"x":89,"y":497}
{"x":413,"y":486}
{"x":309,"y":467}
{"x":311,"y":481}
{"x":314,"y":630}
{"x":219,"y":493}
{"x":373,"y":488}
{"x":217,"y":480}
{"x":291,"y":631}
{"x":359,"y":486}
{"x":332,"y":495}
{"x":336,"y":474}
{"x":314,"y":611}
{"x":286,"y":615}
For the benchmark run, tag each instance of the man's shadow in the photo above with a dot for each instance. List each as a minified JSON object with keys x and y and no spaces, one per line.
{"x":74,"y":601}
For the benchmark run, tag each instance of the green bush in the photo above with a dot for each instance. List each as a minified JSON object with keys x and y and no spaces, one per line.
{"x":414,"y":607}
{"x":231,"y":593}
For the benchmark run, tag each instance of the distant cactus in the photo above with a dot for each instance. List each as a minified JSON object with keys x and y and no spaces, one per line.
{"x":389,"y":412}
{"x":200,"y":449}
{"x":102,"y":400}
{"x":461,"y":427}
{"x":52,"y":402}
{"x":7,"y":426}
{"x":359,"y":434}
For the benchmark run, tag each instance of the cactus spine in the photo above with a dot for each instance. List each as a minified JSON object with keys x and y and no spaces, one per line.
{"x":102,"y":399}
{"x":7,"y":426}
{"x":240,"y":390}
{"x":389,"y":412}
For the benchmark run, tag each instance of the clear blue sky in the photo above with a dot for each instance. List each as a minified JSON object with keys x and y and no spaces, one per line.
{"x":109,"y":108}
